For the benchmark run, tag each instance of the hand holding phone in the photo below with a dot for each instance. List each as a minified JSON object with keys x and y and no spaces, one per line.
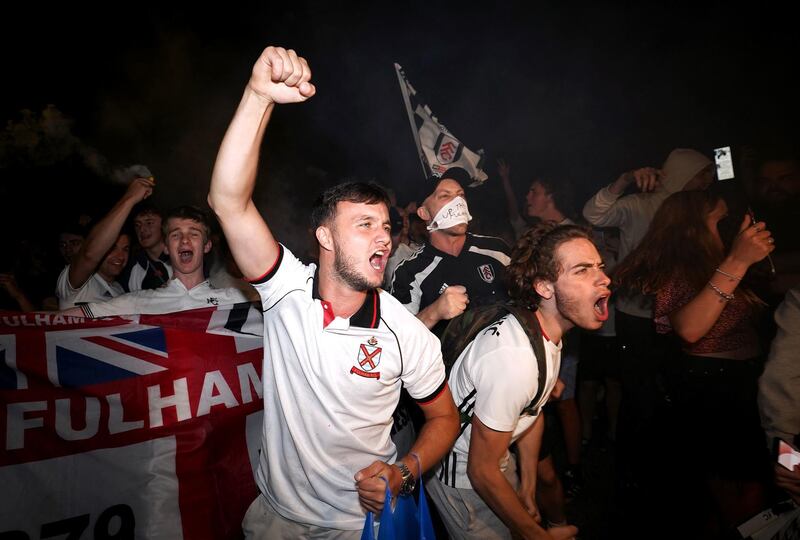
{"x":723,"y":159}
{"x":788,"y":455}
{"x":787,"y":469}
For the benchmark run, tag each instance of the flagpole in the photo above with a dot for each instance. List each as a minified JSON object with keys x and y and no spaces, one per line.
{"x":404,"y":86}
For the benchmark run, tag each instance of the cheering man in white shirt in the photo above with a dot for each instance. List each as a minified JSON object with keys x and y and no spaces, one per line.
{"x":186,"y":230}
{"x":337,"y":349}
{"x":555,"y":272}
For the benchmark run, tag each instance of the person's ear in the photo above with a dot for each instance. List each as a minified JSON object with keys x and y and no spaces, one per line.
{"x":423,"y":214}
{"x":207,"y":247}
{"x":324,"y":237}
{"x":544,"y":288}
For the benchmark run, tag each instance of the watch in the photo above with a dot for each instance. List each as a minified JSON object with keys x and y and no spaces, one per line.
{"x":409,"y":482}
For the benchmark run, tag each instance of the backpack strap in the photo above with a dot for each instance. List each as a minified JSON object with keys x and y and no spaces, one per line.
{"x":530,"y":322}
{"x":479,"y":320}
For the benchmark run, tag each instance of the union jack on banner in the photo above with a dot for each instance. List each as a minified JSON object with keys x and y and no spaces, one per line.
{"x":84,"y":357}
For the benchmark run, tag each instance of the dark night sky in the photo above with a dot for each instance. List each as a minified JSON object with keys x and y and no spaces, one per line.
{"x":575,"y":92}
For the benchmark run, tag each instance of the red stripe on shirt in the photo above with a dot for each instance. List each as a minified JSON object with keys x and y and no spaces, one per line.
{"x":272,"y":269}
{"x":434,"y":396}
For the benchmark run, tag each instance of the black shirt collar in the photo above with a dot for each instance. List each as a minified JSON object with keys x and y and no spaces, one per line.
{"x":439,"y":252}
{"x":142,"y":258}
{"x":368,"y":315}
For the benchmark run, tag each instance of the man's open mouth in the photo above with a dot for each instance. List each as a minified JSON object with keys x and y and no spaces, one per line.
{"x":185,"y":255}
{"x":378,"y":259}
{"x":601,"y":307}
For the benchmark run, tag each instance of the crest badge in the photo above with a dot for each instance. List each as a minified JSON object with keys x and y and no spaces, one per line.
{"x":486,"y":272}
{"x":448,"y":149}
{"x":368,"y":360}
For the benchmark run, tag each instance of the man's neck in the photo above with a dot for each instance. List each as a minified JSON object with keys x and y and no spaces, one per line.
{"x":345,"y":300}
{"x":553,"y":324}
{"x":190,"y":281}
{"x":155,"y":252}
{"x":448,"y":243}
{"x":552,"y":214}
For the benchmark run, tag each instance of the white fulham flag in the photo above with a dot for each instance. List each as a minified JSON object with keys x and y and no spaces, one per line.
{"x":438,"y":149}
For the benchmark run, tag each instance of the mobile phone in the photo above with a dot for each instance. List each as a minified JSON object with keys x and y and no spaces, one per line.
{"x":788,"y":455}
{"x":724,"y":162}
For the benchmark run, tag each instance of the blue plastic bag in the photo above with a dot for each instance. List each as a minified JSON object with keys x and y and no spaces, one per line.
{"x":406,"y":521}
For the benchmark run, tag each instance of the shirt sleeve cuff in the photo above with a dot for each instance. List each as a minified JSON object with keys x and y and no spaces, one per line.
{"x":269,"y":274}
{"x":433,"y":396}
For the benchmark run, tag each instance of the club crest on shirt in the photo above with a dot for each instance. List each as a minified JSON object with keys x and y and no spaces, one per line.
{"x":486,"y":272}
{"x":368,"y":359}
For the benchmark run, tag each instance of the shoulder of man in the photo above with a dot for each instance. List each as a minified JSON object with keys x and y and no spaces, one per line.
{"x":410,"y":266}
{"x":487,"y":326}
{"x":508,"y":330}
{"x":393,"y":312}
{"x":483,"y":239}
{"x":135,"y":271}
{"x":287,"y":271}
{"x":62,"y":281}
{"x":501,"y":352}
{"x":493,"y":243}
{"x":416,"y":256}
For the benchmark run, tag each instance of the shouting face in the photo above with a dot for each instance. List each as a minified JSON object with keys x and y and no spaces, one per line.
{"x":187,"y":243}
{"x":361,"y":242}
{"x":581,"y":291}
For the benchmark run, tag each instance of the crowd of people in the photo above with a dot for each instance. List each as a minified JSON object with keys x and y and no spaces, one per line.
{"x":692,"y":381}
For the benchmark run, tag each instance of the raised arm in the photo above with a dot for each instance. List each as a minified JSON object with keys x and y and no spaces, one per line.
{"x":9,"y":282}
{"x":278,"y":76}
{"x":605,"y":209}
{"x":512,"y":205}
{"x":105,"y":232}
{"x":694,"y":320}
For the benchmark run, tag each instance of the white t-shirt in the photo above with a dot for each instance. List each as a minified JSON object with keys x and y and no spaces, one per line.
{"x":495,"y":378}
{"x":96,"y":289}
{"x":172,"y":297}
{"x":330,"y":387}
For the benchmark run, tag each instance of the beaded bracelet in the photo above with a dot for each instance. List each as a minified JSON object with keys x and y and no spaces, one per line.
{"x":724,"y":273}
{"x":722,"y":294}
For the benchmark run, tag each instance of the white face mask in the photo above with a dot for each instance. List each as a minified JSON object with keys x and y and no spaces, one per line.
{"x":453,"y":213}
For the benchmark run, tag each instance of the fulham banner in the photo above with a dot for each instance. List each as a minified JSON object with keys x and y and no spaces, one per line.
{"x":142,"y":427}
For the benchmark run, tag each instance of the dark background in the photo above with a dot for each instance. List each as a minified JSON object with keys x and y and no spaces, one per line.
{"x":582,"y":92}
